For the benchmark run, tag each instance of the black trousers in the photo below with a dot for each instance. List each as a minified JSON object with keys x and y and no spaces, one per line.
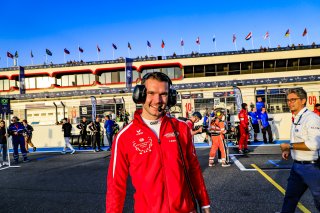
{"x":96,"y":141}
{"x":264,"y":133}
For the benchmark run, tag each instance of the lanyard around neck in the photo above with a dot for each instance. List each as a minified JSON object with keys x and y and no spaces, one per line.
{"x":298,"y":123}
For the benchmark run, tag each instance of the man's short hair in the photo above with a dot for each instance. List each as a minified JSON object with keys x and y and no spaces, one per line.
{"x":157,"y":76}
{"x":301,"y":93}
{"x":25,"y":121}
{"x":243,"y":105}
{"x":107,"y":116}
{"x":197,"y":114}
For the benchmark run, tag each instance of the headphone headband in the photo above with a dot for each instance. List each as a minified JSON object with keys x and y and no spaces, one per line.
{"x":139,"y":93}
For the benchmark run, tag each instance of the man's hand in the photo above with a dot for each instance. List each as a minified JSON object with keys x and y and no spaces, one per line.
{"x":15,"y":133}
{"x":206,"y":210}
{"x":200,"y":130}
{"x":285,"y":155}
{"x":285,"y":148}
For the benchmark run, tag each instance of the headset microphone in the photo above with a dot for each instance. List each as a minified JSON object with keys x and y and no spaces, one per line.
{"x":160,"y":109}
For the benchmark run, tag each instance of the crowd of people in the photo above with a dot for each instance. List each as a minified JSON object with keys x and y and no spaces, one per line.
{"x":21,"y":133}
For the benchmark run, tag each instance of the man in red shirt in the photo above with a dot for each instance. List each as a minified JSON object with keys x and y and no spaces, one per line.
{"x":317,"y":109}
{"x":148,"y":149}
{"x":244,"y":129}
{"x":195,"y":118}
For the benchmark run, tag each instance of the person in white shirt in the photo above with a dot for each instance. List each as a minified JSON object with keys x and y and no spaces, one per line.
{"x":304,"y":148}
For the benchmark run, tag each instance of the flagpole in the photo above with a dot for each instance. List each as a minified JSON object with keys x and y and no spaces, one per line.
{"x":79,"y":51}
{"x":64,"y":57}
{"x":113,"y":53}
{"x":269,"y":42}
{"x":290,"y":40}
{"x":235,"y":45}
{"x":46,"y":58}
{"x":148,"y":50}
{"x":215,"y":44}
{"x":308,"y":39}
{"x":129,"y":52}
{"x":164,"y":54}
{"x":199,"y":48}
{"x":7,"y":62}
{"x":31,"y":61}
{"x":252,"y":42}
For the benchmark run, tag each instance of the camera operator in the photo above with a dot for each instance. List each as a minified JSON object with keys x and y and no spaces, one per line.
{"x":195,"y":117}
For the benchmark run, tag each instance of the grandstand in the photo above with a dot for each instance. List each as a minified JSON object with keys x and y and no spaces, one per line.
{"x":202,"y":80}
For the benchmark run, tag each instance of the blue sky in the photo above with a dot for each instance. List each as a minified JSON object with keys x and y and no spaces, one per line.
{"x":39,"y":24}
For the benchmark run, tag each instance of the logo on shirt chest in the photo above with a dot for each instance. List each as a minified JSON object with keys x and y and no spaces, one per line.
{"x":143,"y":145}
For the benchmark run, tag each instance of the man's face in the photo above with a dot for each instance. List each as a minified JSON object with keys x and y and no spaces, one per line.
{"x":97,"y":119}
{"x":263,"y":110}
{"x":254,"y":109}
{"x":1,"y":124}
{"x":24,"y":123}
{"x":84,"y":119}
{"x":259,"y":99}
{"x":295,"y":104}
{"x":318,"y":108}
{"x":14,"y":120}
{"x":194,"y":119}
{"x":157,"y":96}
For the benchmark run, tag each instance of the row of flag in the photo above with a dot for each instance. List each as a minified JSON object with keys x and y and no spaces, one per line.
{"x":114,"y":46}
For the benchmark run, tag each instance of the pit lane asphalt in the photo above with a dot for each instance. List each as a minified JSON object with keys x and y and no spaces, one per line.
{"x":52,"y":182}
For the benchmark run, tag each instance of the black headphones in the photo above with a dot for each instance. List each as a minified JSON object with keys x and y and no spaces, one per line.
{"x":140,"y":93}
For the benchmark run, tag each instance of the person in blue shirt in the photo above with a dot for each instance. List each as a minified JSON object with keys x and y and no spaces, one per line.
{"x":265,"y":126}
{"x":17,"y":131}
{"x":108,"y":126}
{"x":259,"y":105}
{"x":205,"y":125}
{"x":254,"y":122}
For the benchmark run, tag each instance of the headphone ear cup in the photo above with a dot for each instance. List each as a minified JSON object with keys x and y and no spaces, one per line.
{"x":172,"y":99}
{"x":139,"y":94}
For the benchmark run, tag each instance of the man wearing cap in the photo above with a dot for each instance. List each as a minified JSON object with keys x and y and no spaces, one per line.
{"x":217,"y":129}
{"x":17,"y":131}
{"x":195,"y":117}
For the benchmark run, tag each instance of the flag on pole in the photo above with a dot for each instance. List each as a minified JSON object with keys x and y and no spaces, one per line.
{"x":31,"y":54}
{"x":249,"y":36}
{"x":80,"y":49}
{"x":129,"y":62}
{"x":48,"y":52}
{"x":238,"y":97}
{"x":98,"y":48}
{"x":287,"y":33}
{"x":162,"y":44}
{"x":305,"y":32}
{"x":198,"y":41}
{"x":9,"y":55}
{"x":114,"y":46}
{"x":234,"y":38}
{"x":266,"y":36}
{"x":22,"y":82}
{"x":66,"y":51}
{"x":214,"y":39}
{"x":148,"y":44}
{"x":129,"y":45}
{"x":94,"y":108}
{"x":181,"y":43}
{"x":16,"y":55}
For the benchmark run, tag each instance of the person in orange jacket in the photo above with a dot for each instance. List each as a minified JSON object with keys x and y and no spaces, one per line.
{"x":244,"y":129}
{"x":217,"y":130}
